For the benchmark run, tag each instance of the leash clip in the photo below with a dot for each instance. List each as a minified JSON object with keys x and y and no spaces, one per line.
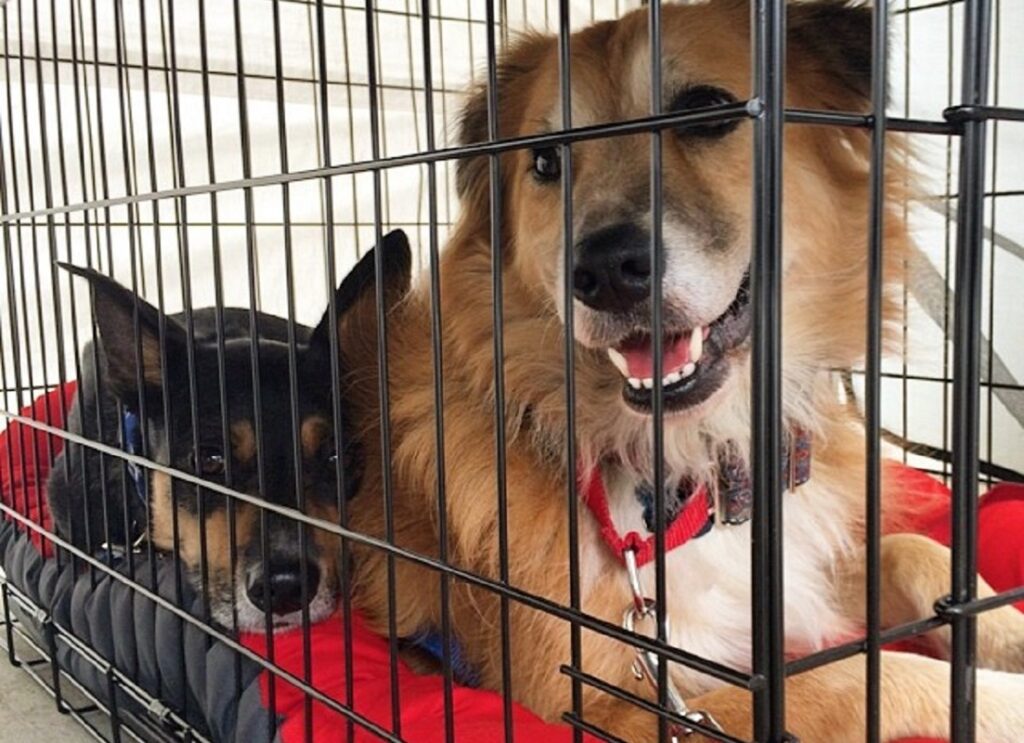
{"x":640,"y":601}
{"x":645,"y":665}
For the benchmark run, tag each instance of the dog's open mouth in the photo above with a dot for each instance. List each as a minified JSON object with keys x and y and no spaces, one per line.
{"x":694,"y":360}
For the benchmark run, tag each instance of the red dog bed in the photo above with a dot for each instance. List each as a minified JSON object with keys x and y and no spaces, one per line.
{"x":25,"y":463}
{"x":477,"y":713}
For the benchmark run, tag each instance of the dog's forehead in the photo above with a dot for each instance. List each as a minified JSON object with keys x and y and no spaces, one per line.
{"x":277,"y":387}
{"x":611,"y":73}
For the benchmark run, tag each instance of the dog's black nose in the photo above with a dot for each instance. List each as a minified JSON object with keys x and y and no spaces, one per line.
{"x":284,"y":584}
{"x":613,"y":268}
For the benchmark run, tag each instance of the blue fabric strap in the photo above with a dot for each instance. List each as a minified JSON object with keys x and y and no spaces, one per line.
{"x":132,"y":444}
{"x":432,"y":642}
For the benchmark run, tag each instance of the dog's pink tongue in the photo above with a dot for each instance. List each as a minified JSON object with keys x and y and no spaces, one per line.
{"x":639,"y":355}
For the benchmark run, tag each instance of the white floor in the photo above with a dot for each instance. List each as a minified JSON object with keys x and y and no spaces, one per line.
{"x":28,"y":714}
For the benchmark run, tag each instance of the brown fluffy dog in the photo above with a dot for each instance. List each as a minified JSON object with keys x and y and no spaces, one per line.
{"x":707,"y":218}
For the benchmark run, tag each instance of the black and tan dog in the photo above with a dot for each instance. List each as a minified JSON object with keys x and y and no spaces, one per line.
{"x":89,"y":495}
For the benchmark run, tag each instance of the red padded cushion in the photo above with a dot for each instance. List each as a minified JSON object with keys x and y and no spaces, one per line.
{"x":25,"y":461}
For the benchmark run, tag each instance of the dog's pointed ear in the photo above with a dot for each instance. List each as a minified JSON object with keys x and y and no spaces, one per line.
{"x":830,"y":44}
{"x":355,"y":300}
{"x":115,"y":309}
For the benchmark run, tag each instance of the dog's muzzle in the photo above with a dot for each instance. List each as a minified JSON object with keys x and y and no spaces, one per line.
{"x":286,"y":587}
{"x":612,"y":278}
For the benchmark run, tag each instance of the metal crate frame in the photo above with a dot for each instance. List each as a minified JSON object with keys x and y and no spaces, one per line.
{"x":968,"y":121}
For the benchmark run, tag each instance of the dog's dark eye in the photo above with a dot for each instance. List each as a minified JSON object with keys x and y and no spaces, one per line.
{"x":704,"y":96}
{"x":210,"y":462}
{"x":547,"y":165}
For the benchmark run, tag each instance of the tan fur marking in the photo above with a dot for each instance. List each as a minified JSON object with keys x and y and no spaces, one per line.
{"x":161,"y":530}
{"x":151,"y":360}
{"x":328,"y":544}
{"x":190,"y":530}
{"x":243,"y":441}
{"x":312,"y":434}
{"x":217,"y":532}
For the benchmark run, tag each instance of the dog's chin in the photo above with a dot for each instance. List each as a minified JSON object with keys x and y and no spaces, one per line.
{"x":697,"y":362}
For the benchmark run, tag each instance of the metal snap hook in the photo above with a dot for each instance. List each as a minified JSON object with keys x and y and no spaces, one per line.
{"x":633,"y":575}
{"x":646,"y":664}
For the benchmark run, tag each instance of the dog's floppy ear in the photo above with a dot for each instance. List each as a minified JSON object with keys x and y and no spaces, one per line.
{"x":115,"y":309}
{"x":831,"y":41}
{"x":355,"y":300}
{"x":514,"y":75}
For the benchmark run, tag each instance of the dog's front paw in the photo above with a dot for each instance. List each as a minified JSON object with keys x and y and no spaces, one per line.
{"x":1000,"y":714}
{"x":1001,"y":640}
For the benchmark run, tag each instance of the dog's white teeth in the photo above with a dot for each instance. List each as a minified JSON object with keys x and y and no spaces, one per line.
{"x":634,"y":382}
{"x":648,"y":384}
{"x":696,"y":344}
{"x":620,"y":361}
{"x":671,"y":378}
{"x":688,"y":370}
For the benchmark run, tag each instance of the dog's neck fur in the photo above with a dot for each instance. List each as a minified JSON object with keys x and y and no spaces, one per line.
{"x":709,"y":579}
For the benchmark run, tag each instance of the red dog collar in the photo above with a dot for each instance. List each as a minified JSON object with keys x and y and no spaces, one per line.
{"x":694,"y":517}
{"x":697,"y":515}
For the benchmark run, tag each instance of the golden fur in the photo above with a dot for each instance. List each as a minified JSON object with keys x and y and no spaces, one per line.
{"x":825,"y":231}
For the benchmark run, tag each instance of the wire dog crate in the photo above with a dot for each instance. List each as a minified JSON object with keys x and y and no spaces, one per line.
{"x":248,"y":153}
